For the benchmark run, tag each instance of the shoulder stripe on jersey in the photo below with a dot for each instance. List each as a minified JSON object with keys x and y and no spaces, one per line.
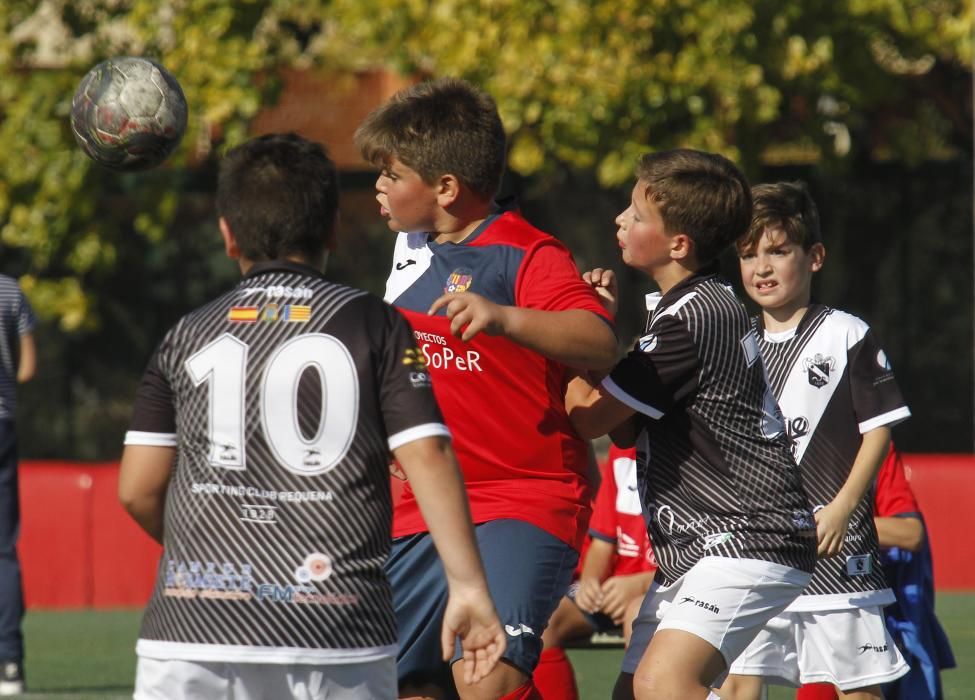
{"x":614,"y":390}
{"x":138,"y":437}
{"x":890,"y":419}
{"x":417,"y":433}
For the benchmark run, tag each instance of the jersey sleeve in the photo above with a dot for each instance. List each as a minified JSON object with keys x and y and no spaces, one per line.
{"x":877,"y":399}
{"x":153,"y":414}
{"x":550,"y":281}
{"x":602,"y":525}
{"x":24,"y":315}
{"x":893,"y":496}
{"x":660,"y":371}
{"x":409,"y":409}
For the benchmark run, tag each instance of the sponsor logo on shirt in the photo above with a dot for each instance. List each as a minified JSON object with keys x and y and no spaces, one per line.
{"x":316,"y":567}
{"x":818,"y":369}
{"x":459,"y":280}
{"x":718,"y":538}
{"x":882,"y":360}
{"x":859,"y":565}
{"x":208,"y":579}
{"x":648,"y":343}
{"x":710,"y":607}
{"x":278,"y":292}
{"x":880,"y":648}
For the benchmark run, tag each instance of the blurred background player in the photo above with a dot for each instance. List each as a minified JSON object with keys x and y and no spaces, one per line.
{"x":18,"y":362}
{"x":731,"y":528}
{"x":616,"y":572}
{"x":835,"y":386}
{"x":258,"y":455}
{"x":500,"y":313}
{"x":906,"y":556}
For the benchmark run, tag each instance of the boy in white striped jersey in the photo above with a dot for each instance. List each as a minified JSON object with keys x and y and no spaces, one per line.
{"x":731,"y":527}
{"x":835,"y":386}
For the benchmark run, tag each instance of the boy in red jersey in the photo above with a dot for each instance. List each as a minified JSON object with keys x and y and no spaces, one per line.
{"x":617,"y":570}
{"x":500,"y":313}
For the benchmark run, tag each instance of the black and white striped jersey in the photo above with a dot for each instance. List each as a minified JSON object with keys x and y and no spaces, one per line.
{"x":283,"y":399}
{"x":833,"y":382}
{"x":16,"y":319}
{"x":716,"y":474}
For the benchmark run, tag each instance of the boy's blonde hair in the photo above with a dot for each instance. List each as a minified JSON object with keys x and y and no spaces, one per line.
{"x":702,"y":195}
{"x":787,"y":206}
{"x":440,"y":127}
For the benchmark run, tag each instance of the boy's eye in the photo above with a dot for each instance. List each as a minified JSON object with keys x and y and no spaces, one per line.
{"x":746,"y":256}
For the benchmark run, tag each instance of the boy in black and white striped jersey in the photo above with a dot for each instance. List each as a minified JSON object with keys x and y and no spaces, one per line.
{"x":730,"y":524}
{"x":836,"y":388}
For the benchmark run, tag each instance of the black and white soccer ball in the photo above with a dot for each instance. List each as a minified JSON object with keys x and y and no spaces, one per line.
{"x":128,"y":113}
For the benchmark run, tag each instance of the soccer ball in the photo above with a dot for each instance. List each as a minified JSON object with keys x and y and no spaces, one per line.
{"x":128,"y":113}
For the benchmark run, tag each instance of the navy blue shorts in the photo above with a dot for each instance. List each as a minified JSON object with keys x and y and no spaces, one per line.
{"x":599,"y":622}
{"x":528,"y":572}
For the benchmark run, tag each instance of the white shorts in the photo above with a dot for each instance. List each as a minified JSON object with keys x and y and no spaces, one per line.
{"x":724,"y":601}
{"x":157,"y":679}
{"x":849,"y":648}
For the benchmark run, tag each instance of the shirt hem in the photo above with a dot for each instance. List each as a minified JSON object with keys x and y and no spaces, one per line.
{"x":238,"y":653}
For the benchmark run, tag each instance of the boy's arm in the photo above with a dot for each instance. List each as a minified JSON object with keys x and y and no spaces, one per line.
{"x":906,"y":532}
{"x":27,"y":364}
{"x":574,"y":337}
{"x":143,"y":478}
{"x":594,"y":569}
{"x":592,"y":412}
{"x":833,"y":519}
{"x":432,"y":469}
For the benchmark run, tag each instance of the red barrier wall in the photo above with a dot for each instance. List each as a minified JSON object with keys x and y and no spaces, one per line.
{"x":79,"y":549}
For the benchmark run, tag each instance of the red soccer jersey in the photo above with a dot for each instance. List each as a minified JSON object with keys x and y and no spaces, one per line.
{"x":893,"y":495}
{"x":617,"y":517}
{"x":504,"y":404}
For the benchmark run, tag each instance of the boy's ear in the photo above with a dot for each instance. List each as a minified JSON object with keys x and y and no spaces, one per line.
{"x":681,"y":246}
{"x":817,"y":256}
{"x":448,"y":190}
{"x":229,"y":240}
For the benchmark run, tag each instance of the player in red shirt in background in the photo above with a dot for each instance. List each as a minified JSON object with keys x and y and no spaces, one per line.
{"x":907,"y":563}
{"x":617,"y":569}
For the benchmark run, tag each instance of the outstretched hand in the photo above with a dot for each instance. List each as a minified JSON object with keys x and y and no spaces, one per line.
{"x":472,"y":618}
{"x":470,"y":314}
{"x":606,"y":286}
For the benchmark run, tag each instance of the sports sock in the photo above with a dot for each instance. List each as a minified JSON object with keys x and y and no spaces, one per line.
{"x":554,"y":677}
{"x":816,"y":691}
{"x":528,"y":691}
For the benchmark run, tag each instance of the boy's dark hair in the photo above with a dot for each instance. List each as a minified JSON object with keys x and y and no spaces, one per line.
{"x":787,"y":206}
{"x":280,"y":195}
{"x":702,"y":195}
{"x":440,"y":127}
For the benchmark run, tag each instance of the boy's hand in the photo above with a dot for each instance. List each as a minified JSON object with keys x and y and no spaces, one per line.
{"x":606,"y":286}
{"x":589,"y":597}
{"x":832,"y":522}
{"x":470,"y":314}
{"x":472,"y":617}
{"x":618,"y":591}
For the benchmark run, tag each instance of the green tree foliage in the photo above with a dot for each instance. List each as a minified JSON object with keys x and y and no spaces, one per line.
{"x":581,"y":84}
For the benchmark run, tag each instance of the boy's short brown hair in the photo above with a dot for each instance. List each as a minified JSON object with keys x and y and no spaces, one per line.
{"x":702,"y":195}
{"x":439,"y":127}
{"x":787,"y":206}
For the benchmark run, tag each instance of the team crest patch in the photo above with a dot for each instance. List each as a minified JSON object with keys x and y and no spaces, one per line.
{"x":818,"y":369}
{"x":459,"y":280}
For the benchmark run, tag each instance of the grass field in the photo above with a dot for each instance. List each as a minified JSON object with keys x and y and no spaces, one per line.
{"x":88,"y":655}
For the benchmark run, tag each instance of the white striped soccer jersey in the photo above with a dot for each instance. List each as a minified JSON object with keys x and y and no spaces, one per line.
{"x":716,"y":474}
{"x":283,"y":399}
{"x":833,"y":382}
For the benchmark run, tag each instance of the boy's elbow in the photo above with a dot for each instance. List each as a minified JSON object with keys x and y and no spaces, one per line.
{"x":605,"y":352}
{"x":915,"y":537}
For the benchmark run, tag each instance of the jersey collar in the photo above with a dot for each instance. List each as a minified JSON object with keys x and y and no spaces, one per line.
{"x":260,"y":268}
{"x":481,"y":228}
